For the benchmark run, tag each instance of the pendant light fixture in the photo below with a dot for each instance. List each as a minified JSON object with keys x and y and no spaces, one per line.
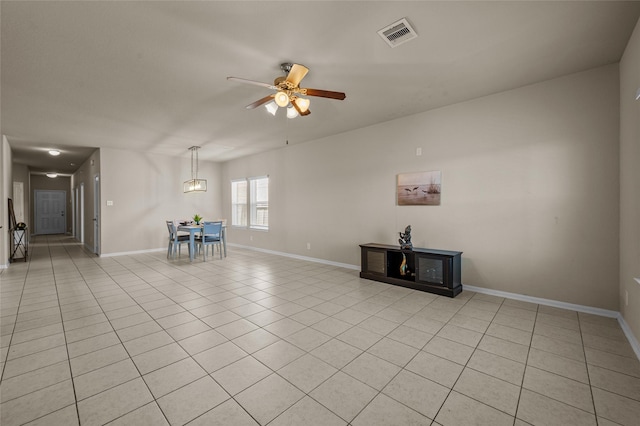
{"x":194,"y":184}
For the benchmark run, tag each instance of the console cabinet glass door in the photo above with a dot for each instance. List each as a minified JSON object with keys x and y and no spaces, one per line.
{"x":432,"y":270}
{"x":375,"y":261}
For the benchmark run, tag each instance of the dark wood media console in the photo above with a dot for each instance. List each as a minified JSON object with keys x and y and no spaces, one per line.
{"x":435,"y":271}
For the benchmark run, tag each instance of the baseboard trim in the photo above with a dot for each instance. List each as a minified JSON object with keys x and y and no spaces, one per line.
{"x":299,"y":257}
{"x":630,"y":336}
{"x":546,"y":302}
{"x":125,"y":253}
{"x":633,"y":341}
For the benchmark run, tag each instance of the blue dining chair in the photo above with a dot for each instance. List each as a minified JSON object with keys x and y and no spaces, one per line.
{"x":211,"y":236}
{"x":175,"y":240}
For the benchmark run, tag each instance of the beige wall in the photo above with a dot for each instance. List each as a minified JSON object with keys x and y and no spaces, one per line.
{"x":630,"y":183}
{"x":530,"y":189}
{"x":43,"y":183}
{"x":146,"y":190}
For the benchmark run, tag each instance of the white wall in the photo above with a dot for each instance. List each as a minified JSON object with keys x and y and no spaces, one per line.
{"x":6,"y":189}
{"x":630,"y":183}
{"x":146,"y":190}
{"x":530,"y":189}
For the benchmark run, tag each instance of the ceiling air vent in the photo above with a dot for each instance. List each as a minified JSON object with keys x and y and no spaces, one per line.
{"x":397,"y":33}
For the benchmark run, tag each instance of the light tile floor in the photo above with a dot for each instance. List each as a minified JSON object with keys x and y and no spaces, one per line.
{"x":264,"y":339}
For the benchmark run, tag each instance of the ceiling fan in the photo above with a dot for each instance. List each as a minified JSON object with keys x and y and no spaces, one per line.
{"x":288,"y":91}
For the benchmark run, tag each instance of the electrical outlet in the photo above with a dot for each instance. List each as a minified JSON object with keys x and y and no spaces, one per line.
{"x":250,"y":237}
{"x":308,"y":246}
{"x":418,"y":151}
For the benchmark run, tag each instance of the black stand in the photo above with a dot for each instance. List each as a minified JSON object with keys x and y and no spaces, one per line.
{"x":435,"y":271}
{"x":19,"y":243}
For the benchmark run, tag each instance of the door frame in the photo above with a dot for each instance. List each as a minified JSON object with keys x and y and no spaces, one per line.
{"x":81,"y":204}
{"x":96,"y":214}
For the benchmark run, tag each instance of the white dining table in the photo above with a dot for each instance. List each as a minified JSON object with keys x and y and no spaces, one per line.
{"x":193,"y":229}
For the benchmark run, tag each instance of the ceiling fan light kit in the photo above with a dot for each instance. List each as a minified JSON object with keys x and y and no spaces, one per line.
{"x":288,"y":92}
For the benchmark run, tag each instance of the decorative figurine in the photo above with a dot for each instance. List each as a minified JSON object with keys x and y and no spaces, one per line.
{"x":404,"y":268}
{"x":405,"y":239}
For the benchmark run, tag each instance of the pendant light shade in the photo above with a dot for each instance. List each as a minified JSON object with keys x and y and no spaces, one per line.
{"x":272,"y":108}
{"x":194,"y":184}
{"x":303,"y":104}
{"x":291,"y":112}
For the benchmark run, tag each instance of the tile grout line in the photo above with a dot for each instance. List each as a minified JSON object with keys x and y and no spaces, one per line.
{"x":64,"y":334}
{"x":140,"y":375}
{"x":526,"y":362}
{"x":465,"y":366}
{"x":68,"y":357}
{"x":15,"y":323}
{"x":177,"y":342}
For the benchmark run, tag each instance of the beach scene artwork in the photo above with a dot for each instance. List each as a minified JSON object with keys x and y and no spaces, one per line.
{"x":419,"y":189}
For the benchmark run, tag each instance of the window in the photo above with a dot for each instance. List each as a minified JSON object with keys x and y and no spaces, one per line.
{"x":250,"y":202}
{"x":239,"y":202}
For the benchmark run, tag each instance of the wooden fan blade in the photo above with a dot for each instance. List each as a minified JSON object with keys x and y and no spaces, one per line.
{"x":325,"y":94}
{"x":296,"y":74}
{"x":259,"y":102}
{"x":294,"y":102}
{"x":255,"y":83}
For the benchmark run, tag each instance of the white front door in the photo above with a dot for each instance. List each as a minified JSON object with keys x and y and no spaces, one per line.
{"x":50,"y":212}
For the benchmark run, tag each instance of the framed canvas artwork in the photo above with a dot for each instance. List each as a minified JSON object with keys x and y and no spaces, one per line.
{"x":419,"y":189}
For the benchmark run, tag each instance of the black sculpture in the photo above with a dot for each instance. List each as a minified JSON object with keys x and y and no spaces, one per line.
{"x":405,"y":239}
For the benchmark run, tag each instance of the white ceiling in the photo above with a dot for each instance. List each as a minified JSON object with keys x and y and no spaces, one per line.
{"x":151,"y":76}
